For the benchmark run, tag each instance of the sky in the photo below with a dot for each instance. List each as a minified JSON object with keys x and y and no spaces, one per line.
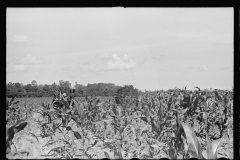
{"x":149,"y":48}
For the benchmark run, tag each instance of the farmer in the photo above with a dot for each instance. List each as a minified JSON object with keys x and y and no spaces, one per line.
{"x":64,"y":97}
{"x":68,"y":99}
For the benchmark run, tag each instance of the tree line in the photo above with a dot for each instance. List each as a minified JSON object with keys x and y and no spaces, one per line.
{"x":97,"y":89}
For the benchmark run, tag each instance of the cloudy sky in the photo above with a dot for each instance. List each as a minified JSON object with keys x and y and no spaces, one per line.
{"x":149,"y":48}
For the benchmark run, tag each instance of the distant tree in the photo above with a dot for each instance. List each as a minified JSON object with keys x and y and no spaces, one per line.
{"x":34,"y":89}
{"x":12,"y":89}
{"x":46,"y":88}
{"x":28,"y":88}
{"x":106,"y":91}
{"x":40,"y":93}
{"x":40,"y":87}
{"x":80,"y":89}
{"x":32,"y":94}
{"x":17,"y":85}
{"x":127,"y":91}
{"x":96,"y":89}
{"x":64,"y":86}
{"x":118,"y":99}
{"x":54,"y":88}
{"x":34,"y":83}
{"x":9,"y":84}
{"x":24,"y":93}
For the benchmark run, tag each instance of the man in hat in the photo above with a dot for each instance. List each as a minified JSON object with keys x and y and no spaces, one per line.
{"x":65,"y":99}
{"x":64,"y":96}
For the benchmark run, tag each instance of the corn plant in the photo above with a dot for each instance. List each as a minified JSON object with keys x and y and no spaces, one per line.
{"x":165,"y":124}
{"x":11,"y":131}
{"x":194,"y":146}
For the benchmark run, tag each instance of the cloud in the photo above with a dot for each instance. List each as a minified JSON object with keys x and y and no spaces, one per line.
{"x":71,"y":68}
{"x":228,"y":67}
{"x":30,"y":60}
{"x":142,"y":61}
{"x":20,"y":38}
{"x":25,"y":64}
{"x":195,"y":68}
{"x":203,"y":68}
{"x":97,"y":68}
{"x":120,"y":63}
{"x":16,"y":68}
{"x":105,"y":62}
{"x":158,"y":57}
{"x":162,"y":69}
{"x":68,"y":68}
{"x":103,"y":56}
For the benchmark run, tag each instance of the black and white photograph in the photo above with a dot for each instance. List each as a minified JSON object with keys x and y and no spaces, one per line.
{"x":119,"y":83}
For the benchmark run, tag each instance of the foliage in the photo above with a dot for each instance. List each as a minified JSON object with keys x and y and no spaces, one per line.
{"x":176,"y":124}
{"x":97,"y":89}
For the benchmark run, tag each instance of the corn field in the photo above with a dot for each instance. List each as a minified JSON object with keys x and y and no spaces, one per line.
{"x":176,"y":124}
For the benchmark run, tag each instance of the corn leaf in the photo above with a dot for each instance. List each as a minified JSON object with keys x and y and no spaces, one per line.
{"x":194,"y":146}
{"x":209,"y":149}
{"x":171,"y":151}
{"x":107,"y":155}
{"x":20,"y":126}
{"x":116,"y":156}
{"x":77,"y":135}
{"x":119,"y":150}
{"x":215,"y":146}
{"x":160,"y":114}
{"x":8,"y":148}
{"x":144,"y":129}
{"x":144,"y":119}
{"x":154,"y":127}
{"x":68,"y":128}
